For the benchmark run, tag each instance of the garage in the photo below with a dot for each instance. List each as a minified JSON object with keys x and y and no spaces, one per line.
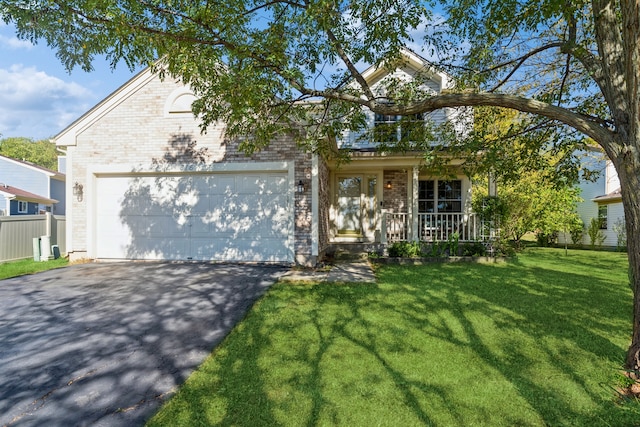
{"x":202,"y":216}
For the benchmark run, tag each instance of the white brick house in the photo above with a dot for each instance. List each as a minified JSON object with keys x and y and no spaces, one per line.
{"x":147,"y":184}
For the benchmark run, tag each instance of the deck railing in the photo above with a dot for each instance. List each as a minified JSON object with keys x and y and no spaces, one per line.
{"x":432,"y":227}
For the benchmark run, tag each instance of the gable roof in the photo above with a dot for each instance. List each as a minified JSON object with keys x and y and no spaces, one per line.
{"x":12,"y":193}
{"x":411,"y":60}
{"x":49,"y":172}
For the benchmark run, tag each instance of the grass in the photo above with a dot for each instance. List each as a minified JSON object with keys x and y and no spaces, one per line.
{"x":29,"y":266}
{"x":535,"y":342}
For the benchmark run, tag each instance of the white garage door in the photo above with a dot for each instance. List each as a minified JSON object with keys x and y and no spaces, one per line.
{"x":221,"y":217}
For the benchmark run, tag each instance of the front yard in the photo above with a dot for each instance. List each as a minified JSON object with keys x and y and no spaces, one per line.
{"x":533,"y":342}
{"x":29,"y":266}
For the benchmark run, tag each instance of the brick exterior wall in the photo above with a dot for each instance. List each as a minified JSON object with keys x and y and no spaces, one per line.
{"x":395,"y":198}
{"x":139,"y":132}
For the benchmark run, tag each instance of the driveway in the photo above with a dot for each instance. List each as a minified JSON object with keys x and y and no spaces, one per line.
{"x":106,"y":343}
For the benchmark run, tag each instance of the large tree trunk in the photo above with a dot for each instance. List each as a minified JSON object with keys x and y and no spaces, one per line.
{"x":628,"y":167}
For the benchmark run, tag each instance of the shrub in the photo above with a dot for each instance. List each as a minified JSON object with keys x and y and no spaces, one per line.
{"x":577,"y":233}
{"x":474,"y":249}
{"x":620,"y":229}
{"x":405,"y":249}
{"x":453,"y":243}
{"x":596,"y":238}
{"x":546,"y":240}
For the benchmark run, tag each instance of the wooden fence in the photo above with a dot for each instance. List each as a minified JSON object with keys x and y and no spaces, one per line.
{"x":17,"y":234}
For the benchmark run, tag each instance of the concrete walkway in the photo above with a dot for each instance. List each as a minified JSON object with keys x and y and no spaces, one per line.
{"x":344,"y":271}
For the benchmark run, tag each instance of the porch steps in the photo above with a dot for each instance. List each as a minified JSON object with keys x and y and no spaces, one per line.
{"x":353,"y":251}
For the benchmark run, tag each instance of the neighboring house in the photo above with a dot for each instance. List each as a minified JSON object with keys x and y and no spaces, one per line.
{"x":35,"y":189}
{"x":148,"y":185}
{"x":601,"y":199}
{"x":15,"y":201}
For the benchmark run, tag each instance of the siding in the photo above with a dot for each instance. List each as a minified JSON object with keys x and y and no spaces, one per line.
{"x":17,"y":234}
{"x":24,"y":178}
{"x":58,"y":193}
{"x":360,"y":140}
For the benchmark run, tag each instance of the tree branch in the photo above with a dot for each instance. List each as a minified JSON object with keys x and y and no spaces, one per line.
{"x":352,"y":69}
{"x":575,"y":120}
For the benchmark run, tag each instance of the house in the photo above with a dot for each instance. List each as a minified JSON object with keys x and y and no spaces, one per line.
{"x":602,"y":199}
{"x":28,"y":189}
{"x":147,"y":184}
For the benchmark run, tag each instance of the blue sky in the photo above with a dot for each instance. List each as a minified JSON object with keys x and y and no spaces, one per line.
{"x":38,"y":97}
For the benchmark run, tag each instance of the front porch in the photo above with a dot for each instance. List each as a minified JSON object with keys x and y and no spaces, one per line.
{"x":433,"y":227}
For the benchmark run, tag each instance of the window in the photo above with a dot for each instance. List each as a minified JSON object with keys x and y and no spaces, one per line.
{"x":385,"y":129}
{"x":392,"y":128}
{"x":450,"y":196}
{"x":426,"y":197}
{"x":23,"y":207}
{"x":603,"y":213}
{"x":440,"y":196}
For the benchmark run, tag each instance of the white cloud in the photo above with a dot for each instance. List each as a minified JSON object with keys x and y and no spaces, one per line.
{"x":35,"y":104}
{"x":14,"y":43}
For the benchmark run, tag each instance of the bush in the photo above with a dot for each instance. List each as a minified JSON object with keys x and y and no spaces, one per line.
{"x":620,"y":229}
{"x":577,"y":233}
{"x":596,"y":238}
{"x":405,"y":249}
{"x":474,"y":249}
{"x":546,"y":240}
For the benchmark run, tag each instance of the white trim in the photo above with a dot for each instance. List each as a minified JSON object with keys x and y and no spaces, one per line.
{"x":168,"y":110}
{"x":68,"y":136}
{"x":170,"y":169}
{"x":315,"y":197}
{"x":94,"y":172}
{"x":415,"y":177}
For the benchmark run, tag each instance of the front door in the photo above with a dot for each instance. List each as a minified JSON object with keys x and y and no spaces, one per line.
{"x":356,"y":205}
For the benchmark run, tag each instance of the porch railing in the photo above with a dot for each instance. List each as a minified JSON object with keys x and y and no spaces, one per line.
{"x":431,"y":227}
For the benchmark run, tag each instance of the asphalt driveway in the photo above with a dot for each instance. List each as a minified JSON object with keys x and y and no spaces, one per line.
{"x":105,"y":344}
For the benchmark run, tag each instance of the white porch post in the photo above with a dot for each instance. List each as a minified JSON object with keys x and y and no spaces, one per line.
{"x":493,"y":187}
{"x":413,"y":197}
{"x":315,"y":197}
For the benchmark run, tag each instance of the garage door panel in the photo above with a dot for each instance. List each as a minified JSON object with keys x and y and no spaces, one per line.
{"x":232,"y":217}
{"x":223,"y":185}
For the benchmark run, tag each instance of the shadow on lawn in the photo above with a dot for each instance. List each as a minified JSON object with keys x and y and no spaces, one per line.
{"x":430,"y":345}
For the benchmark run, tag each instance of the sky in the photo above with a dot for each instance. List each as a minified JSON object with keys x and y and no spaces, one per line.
{"x":38,"y":97}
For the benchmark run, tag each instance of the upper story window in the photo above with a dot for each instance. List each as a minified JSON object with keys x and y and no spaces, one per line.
{"x":603,"y":213}
{"x":392,"y":128}
{"x":444,"y":196}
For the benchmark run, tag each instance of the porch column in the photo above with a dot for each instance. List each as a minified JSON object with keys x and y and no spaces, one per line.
{"x":493,"y":187}
{"x":315,"y":198}
{"x":413,"y":203}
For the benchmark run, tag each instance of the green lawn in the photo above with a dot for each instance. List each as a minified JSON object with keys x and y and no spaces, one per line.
{"x":534,"y":342}
{"x":29,"y":266}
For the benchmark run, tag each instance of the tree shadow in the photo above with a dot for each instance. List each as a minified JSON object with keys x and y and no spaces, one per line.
{"x":181,"y":213}
{"x":424,"y":351}
{"x":109,"y":344}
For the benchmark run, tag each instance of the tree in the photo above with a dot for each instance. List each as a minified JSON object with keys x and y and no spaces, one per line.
{"x":576,"y":65}
{"x":42,"y":153}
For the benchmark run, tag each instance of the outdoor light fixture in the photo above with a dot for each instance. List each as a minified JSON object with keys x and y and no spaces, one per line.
{"x":388,"y":185}
{"x":300,"y":187}
{"x":78,"y":191}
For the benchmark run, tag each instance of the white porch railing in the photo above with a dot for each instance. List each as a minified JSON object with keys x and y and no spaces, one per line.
{"x":431,"y":227}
